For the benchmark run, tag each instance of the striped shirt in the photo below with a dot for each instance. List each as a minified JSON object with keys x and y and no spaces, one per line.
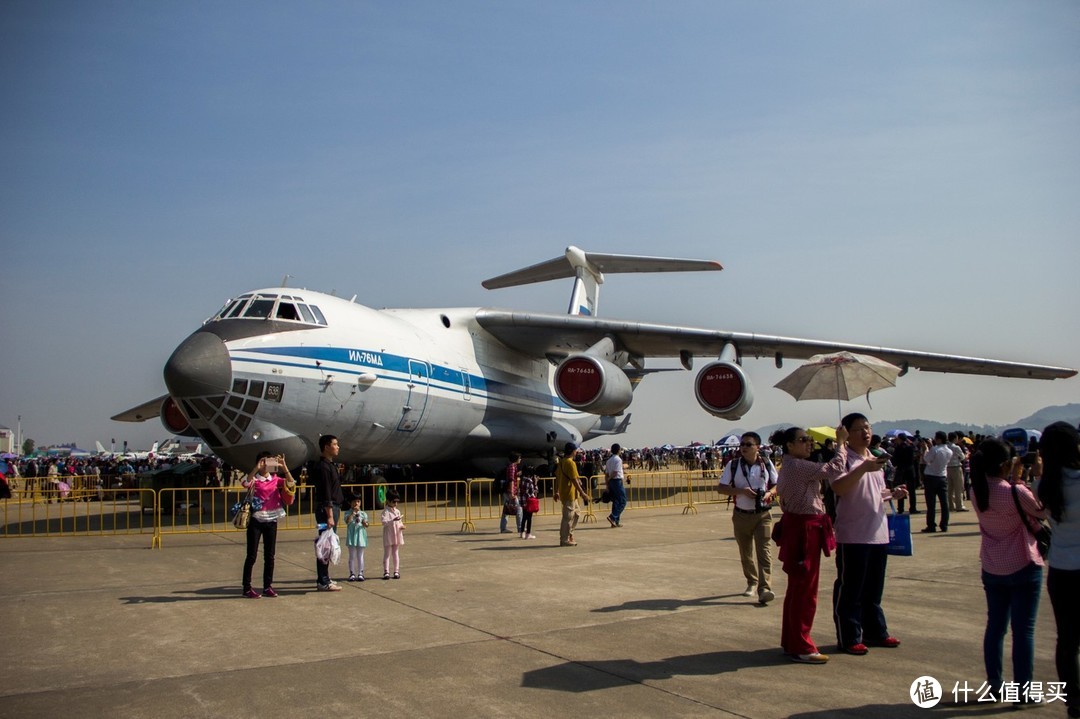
{"x":1007,"y":544}
{"x":799,"y":482}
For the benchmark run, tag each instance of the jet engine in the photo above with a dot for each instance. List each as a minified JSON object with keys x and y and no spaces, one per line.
{"x":723,"y":390}
{"x":174,"y":420}
{"x":593,"y":385}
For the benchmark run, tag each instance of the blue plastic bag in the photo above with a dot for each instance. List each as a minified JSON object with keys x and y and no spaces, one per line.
{"x":899,"y":533}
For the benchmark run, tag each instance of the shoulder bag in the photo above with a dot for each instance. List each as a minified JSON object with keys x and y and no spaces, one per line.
{"x":1042,"y":534}
{"x":243,"y":512}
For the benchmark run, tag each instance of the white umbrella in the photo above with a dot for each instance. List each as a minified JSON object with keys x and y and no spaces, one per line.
{"x":839,"y":376}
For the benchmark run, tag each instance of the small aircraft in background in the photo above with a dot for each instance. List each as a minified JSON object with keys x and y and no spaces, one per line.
{"x":132,"y":455}
{"x":276,"y":368}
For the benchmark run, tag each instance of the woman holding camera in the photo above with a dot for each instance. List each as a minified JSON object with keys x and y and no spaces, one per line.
{"x":1011,"y":566}
{"x":1059,"y":491}
{"x":751,"y":479}
{"x":266,"y":490}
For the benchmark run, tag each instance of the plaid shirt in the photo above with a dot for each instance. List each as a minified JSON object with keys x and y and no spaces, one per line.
{"x":1007,"y":544}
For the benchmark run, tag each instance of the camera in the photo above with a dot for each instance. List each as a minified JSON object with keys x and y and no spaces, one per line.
{"x":760,"y":505}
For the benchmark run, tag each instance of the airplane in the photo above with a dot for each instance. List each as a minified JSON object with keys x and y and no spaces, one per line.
{"x":100,"y":451}
{"x":276,"y":368}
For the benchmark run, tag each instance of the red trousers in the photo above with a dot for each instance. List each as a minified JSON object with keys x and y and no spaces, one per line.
{"x":804,"y":538}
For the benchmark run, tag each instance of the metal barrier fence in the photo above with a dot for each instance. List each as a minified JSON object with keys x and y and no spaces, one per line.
{"x":87,"y":509}
{"x":104,"y":512}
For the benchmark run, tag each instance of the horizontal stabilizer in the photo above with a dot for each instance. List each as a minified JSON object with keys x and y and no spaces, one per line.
{"x":145,"y":411}
{"x":563,"y":268}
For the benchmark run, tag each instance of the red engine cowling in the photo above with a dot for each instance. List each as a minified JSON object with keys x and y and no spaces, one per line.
{"x":174,"y":420}
{"x":593,"y":385}
{"x":723,"y":390}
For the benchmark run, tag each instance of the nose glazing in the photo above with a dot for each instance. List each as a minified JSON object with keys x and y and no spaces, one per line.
{"x":200,"y":366}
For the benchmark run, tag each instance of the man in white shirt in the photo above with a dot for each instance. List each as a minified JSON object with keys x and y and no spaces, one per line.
{"x":954,"y":473}
{"x":751,"y":479}
{"x":613,"y":470}
{"x":935,"y":482}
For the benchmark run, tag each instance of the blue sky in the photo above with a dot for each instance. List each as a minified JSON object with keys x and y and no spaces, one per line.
{"x":903,"y":174}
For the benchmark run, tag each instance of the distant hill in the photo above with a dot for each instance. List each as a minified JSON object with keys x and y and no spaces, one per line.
{"x":1067,"y":413}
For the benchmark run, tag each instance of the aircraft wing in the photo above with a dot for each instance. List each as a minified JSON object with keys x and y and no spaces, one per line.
{"x":555,"y":335}
{"x":145,"y":411}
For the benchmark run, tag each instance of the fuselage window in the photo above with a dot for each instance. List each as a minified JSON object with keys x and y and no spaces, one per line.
{"x":308,"y":317}
{"x":287,"y":311}
{"x":259,"y":308}
{"x":318,"y":315}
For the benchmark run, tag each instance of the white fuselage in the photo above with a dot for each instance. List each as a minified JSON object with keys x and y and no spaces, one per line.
{"x":395,"y":386}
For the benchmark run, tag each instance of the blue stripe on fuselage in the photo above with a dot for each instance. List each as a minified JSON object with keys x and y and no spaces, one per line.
{"x":396,"y":363}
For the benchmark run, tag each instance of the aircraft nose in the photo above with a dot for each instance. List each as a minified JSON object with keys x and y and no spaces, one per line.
{"x":199,"y":366}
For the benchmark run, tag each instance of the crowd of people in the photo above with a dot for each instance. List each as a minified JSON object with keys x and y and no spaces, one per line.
{"x":833,"y":496}
{"x":834,"y":501}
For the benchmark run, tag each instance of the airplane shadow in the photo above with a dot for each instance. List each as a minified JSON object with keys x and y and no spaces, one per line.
{"x":667,"y":605}
{"x":588,"y":676}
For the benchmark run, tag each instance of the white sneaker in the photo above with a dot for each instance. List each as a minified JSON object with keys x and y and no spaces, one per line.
{"x":530,"y":536}
{"x":749,"y":590}
{"x":766,"y":596}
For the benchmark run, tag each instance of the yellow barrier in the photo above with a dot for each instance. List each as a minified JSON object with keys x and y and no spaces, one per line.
{"x":38,"y":509}
{"x":107,"y":511}
{"x":486,"y":503}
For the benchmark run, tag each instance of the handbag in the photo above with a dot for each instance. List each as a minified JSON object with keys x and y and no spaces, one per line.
{"x":899,"y":533}
{"x":1042,"y":535}
{"x":243,"y":513}
{"x":532,"y":505}
{"x":510,"y":509}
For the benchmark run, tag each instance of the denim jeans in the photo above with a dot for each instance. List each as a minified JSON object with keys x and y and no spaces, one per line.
{"x":505,"y":517}
{"x":617,"y":490}
{"x":1011,"y":599}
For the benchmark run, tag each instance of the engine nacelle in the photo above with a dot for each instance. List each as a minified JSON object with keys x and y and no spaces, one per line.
{"x":593,"y":385}
{"x":174,"y":420}
{"x":723,"y":390}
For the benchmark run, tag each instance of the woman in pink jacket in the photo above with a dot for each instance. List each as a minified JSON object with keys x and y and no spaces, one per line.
{"x":1011,"y":566}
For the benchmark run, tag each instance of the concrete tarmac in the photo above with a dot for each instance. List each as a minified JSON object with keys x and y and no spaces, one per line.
{"x":642,"y":621}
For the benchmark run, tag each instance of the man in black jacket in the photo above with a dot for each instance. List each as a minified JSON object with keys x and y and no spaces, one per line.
{"x":328,"y":499}
{"x":903,"y":459}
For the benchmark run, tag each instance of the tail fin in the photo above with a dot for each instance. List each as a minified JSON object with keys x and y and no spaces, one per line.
{"x":588,"y":268}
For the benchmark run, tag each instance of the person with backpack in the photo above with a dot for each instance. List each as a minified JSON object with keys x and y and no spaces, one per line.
{"x":751,"y":479}
{"x":508,"y":487}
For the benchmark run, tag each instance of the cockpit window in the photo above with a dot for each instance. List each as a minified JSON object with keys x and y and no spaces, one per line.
{"x":234,"y":309}
{"x":259,"y":309}
{"x":286,"y":311}
{"x":308,"y":317}
{"x":263,"y":306}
